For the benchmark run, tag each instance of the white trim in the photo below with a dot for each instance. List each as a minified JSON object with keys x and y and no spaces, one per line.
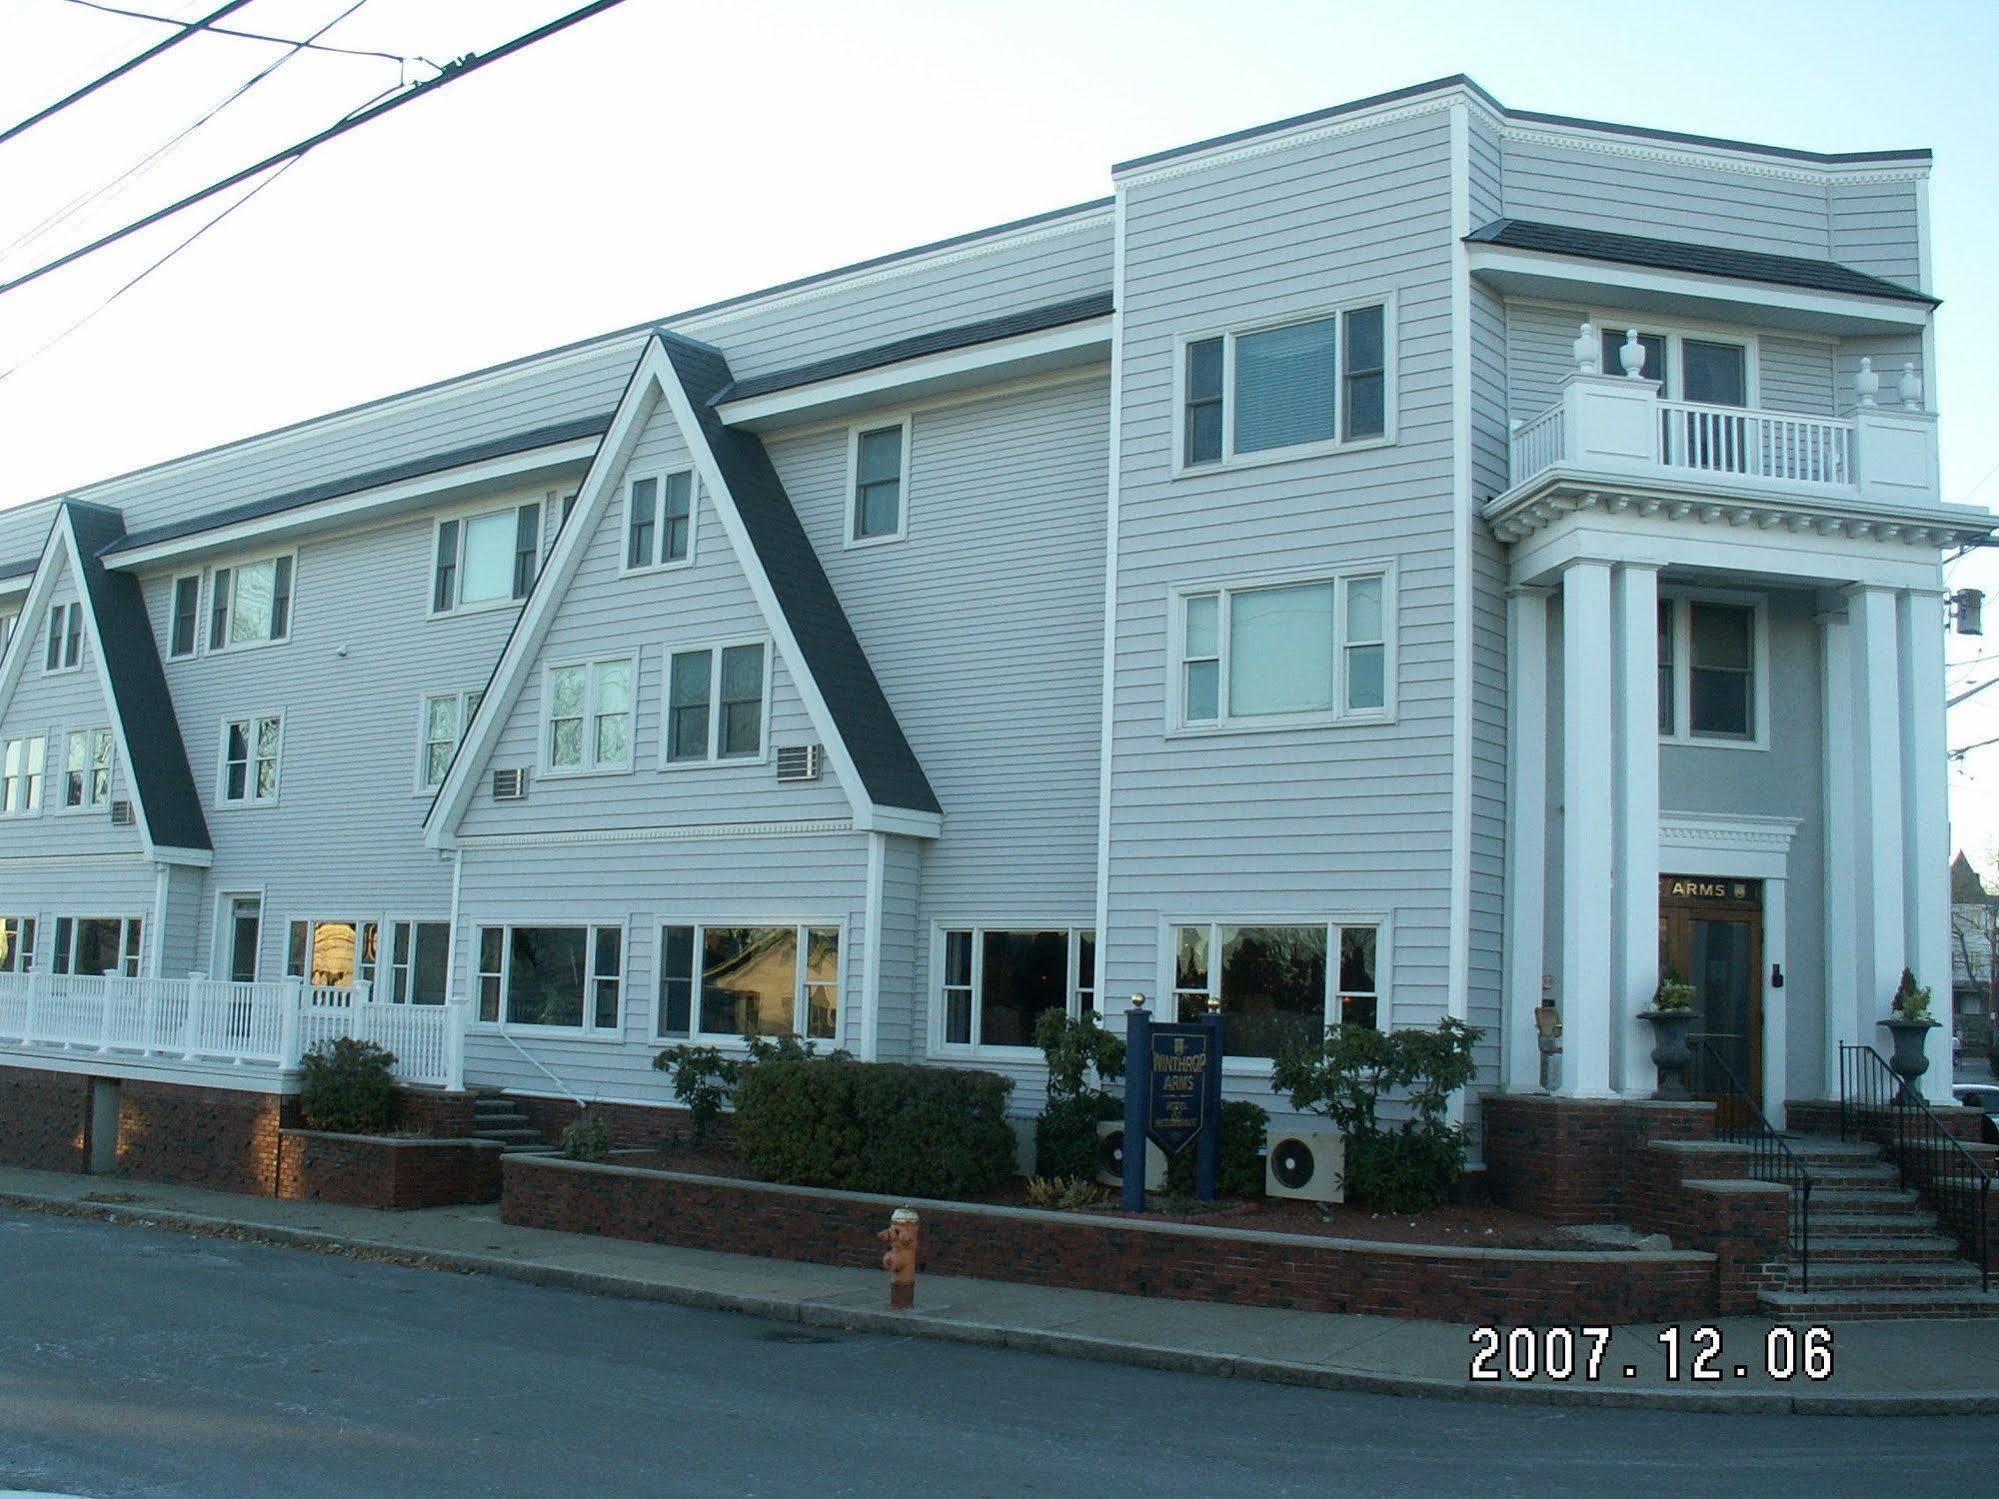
{"x":1107,"y":713}
{"x":221,"y":938}
{"x":545,"y":768}
{"x":925,"y":405}
{"x":937,"y":1047}
{"x":206,"y":626}
{"x":659,"y":476}
{"x":904,"y":422}
{"x":657,"y":834}
{"x":1679,"y":597}
{"x":1526,"y":971}
{"x":800,"y":987}
{"x":714,"y":647}
{"x":871,"y":947}
{"x":588,"y":1030}
{"x":1745,"y":159}
{"x":1464,"y":508}
{"x":24,"y":738}
{"x":63,"y":610}
{"x":464,"y":697}
{"x":200,"y":580}
{"x":249,"y":800}
{"x":1676,"y":331}
{"x":234,"y":1077}
{"x":61,"y":806}
{"x":463,"y":515}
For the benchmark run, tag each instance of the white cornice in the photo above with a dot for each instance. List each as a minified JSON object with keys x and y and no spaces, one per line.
{"x":1771,"y":835}
{"x":1749,"y":162}
{"x":821,"y":827}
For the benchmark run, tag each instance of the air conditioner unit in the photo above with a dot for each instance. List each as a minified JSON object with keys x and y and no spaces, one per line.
{"x":1110,"y":1158}
{"x":510,"y":785}
{"x":797,"y":762}
{"x":121,"y":814}
{"x":1310,"y":1164}
{"x":1023,"y":1146}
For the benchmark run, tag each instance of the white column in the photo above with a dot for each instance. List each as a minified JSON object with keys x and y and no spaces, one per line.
{"x":1586,"y":830}
{"x":1926,"y":821}
{"x":1526,"y":831}
{"x":1635,"y":825}
{"x":1875,"y":701}
{"x":1842,"y":957}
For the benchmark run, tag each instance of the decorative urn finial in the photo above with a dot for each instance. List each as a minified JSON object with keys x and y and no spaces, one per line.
{"x":1631,"y":354}
{"x":1910,"y":388}
{"x":1587,"y":350}
{"x":1866,"y":384}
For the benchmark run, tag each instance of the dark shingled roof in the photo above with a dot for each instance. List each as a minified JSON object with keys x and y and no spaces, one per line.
{"x":156,"y":758}
{"x":396,"y":473}
{"x":1699,"y":260}
{"x":938,"y":341}
{"x":867,"y":725}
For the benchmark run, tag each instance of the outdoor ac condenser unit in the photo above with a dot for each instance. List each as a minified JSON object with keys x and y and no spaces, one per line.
{"x":1110,"y":1158}
{"x":1307,"y":1163}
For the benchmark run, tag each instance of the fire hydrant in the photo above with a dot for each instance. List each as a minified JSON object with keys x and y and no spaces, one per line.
{"x":900,"y":1261}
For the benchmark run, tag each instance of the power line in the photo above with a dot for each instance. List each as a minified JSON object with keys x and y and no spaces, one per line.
{"x":188,"y":29}
{"x":1959,"y":754}
{"x":257,"y":36}
{"x":471,"y":62}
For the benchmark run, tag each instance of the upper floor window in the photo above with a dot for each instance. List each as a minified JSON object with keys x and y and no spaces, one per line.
{"x":6,"y":631}
{"x":1279,"y":986}
{"x":716,"y":703}
{"x":250,"y":605}
{"x":588,"y":717}
{"x":184,"y":616}
{"x":1711,"y":670}
{"x":23,"y":763}
{"x":1307,"y":385}
{"x":998,"y":984}
{"x":1285,"y":652}
{"x":86,"y":778}
{"x":659,"y":520}
{"x":65,"y":639}
{"x":250,"y":749}
{"x":570,"y":976}
{"x":725,"y":981}
{"x":17,"y":943}
{"x":93,"y":946}
{"x":878,"y":464}
{"x":1710,"y":372}
{"x":445,"y":717}
{"x":485,"y":559}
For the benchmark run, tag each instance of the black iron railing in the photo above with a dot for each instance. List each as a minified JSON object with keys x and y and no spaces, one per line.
{"x":1929,"y":1159}
{"x":1739,"y":1121}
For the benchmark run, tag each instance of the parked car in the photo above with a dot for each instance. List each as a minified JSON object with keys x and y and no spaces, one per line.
{"x":1985,"y":1098}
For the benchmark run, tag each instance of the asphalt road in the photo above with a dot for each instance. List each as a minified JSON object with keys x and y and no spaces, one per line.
{"x":136,"y":1362}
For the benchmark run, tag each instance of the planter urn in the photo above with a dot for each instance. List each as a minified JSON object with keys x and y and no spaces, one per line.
{"x":1670,"y":1052}
{"x":1909,"y":1060}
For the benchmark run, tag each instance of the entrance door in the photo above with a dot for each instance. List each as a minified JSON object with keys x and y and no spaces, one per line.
{"x":246,"y":924}
{"x":1711,"y":933}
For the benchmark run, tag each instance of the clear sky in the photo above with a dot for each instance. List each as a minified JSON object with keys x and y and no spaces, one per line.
{"x":670,"y":153}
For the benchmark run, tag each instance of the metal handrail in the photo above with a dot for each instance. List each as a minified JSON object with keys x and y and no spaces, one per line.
{"x":1771,"y":1159}
{"x":1928,"y":1158}
{"x":567,"y":1092}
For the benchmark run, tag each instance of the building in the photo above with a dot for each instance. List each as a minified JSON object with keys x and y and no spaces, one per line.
{"x":1412,"y":560}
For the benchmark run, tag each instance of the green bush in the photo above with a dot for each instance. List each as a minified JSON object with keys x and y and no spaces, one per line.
{"x":705,"y":1078}
{"x":587,"y":1137}
{"x":884,"y":1127}
{"x":1239,"y":1167}
{"x":1065,"y":1136}
{"x":348,"y":1087}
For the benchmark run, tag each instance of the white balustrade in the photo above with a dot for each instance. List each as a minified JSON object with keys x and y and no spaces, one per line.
{"x":1537,"y":445}
{"x":1756,"y":444}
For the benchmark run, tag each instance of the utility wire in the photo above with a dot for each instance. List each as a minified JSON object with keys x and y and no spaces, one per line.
{"x":188,"y":29}
{"x":258,"y":36}
{"x":1959,"y":754}
{"x":471,"y":62}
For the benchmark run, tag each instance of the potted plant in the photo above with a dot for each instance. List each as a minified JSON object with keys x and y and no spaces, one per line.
{"x":1910,"y":1022}
{"x":1671,"y":1016}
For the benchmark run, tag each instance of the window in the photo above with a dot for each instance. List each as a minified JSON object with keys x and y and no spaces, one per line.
{"x":750,"y":981}
{"x":86,"y":771}
{"x":1278,"y":653}
{"x":22,"y":765}
{"x":7,"y":623}
{"x":1711,"y":682}
{"x":717,"y":700}
{"x":330,"y":954}
{"x":589,"y":717}
{"x":1318,"y":383}
{"x":569,"y":976}
{"x":250,"y":605}
{"x":1706,"y":371}
{"x":659,"y":520}
{"x":1275,"y":985}
{"x":441,"y":725}
{"x":419,"y":958}
{"x":485,"y":559}
{"x":997,"y":984}
{"x":94,"y":946}
{"x":250,"y":749}
{"x":65,"y":641}
{"x":878,"y":460}
{"x":17,"y":943}
{"x":184,"y":621}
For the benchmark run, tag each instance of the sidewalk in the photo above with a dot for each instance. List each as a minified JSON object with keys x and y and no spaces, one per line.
{"x":1883,"y":1368}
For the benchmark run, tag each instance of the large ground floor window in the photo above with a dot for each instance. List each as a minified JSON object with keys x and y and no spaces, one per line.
{"x":94,"y":945}
{"x":998,"y":983}
{"x":565,"y":976}
{"x":17,"y":943}
{"x":724,"y":981}
{"x":331,"y":954}
{"x":1276,"y":985}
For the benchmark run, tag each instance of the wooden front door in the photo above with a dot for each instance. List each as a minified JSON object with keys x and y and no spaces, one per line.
{"x":1711,"y":933}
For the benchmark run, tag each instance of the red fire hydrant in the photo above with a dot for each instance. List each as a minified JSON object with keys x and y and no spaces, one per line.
{"x":900,"y":1261}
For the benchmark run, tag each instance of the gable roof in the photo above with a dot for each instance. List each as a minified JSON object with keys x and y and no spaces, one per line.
{"x":1699,"y":260}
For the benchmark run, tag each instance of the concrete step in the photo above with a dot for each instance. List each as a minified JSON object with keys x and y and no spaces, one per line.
{"x":1838,"y":1175}
{"x":1814,"y":1149}
{"x":1882,"y":1275}
{"x":510,"y":1136}
{"x":1843,"y":1200}
{"x":1843,"y":1224}
{"x":522,"y":1148}
{"x":1799,"y":1307}
{"x":515,"y":1120}
{"x":1831,"y":1248}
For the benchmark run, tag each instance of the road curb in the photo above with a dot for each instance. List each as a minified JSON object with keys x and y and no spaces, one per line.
{"x":834,"y":1316}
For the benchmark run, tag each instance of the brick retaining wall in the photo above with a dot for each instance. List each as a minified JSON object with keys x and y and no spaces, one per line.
{"x":380,"y":1171}
{"x":44,"y":1119}
{"x":1097,"y":1253}
{"x":201,"y":1137}
{"x":633,"y":1125}
{"x":1566,"y":1158}
{"x":434,"y":1112}
{"x":1700,"y":1195}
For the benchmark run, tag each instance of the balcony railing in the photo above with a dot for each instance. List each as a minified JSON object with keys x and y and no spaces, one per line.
{"x":198,"y":1023}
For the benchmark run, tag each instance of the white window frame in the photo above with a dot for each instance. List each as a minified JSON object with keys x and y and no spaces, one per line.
{"x":63,"y":804}
{"x":201,"y":617}
{"x":221,"y":934}
{"x":589,"y":1030}
{"x":714,"y":649}
{"x":249,"y":799}
{"x":35,"y":779}
{"x":545,"y":749}
{"x":1383,"y":923}
{"x":131,"y":947}
{"x":10,"y":626}
{"x":849,"y":540}
{"x":799,"y":997}
{"x":387,"y":983}
{"x":363,"y":967}
{"x":1759,"y":666}
{"x":462,"y":515}
{"x":1384,"y":299}
{"x":64,"y":611}
{"x":206,"y":631}
{"x":1177,"y":724}
{"x":467,"y":700}
{"x":658,"y":564}
{"x":1074,"y":995}
{"x":1676,"y":331}
{"x":26,"y":945}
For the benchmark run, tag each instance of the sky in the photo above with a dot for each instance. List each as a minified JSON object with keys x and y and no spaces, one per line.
{"x":666,"y":154}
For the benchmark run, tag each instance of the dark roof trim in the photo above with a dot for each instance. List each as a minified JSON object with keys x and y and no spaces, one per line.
{"x":1461,"y":80}
{"x":1698,"y":260}
{"x":833,"y":658}
{"x":155,"y":758}
{"x":19,"y":569}
{"x":939,"y":341}
{"x":398,"y":473}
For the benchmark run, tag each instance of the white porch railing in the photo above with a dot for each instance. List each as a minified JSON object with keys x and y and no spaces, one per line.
{"x":204,"y":1022}
{"x":1537,"y":446}
{"x":1756,"y":444}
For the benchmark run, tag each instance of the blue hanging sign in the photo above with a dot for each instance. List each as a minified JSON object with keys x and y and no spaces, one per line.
{"x":1180,"y":1085}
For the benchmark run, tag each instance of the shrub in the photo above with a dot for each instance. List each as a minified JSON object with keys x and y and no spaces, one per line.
{"x":886,"y":1127}
{"x":1238,"y":1167}
{"x":1414,"y":1165}
{"x":1064,"y":1193}
{"x":587,"y":1137}
{"x":1065,"y":1136}
{"x":348,"y":1087}
{"x":705,"y":1079}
